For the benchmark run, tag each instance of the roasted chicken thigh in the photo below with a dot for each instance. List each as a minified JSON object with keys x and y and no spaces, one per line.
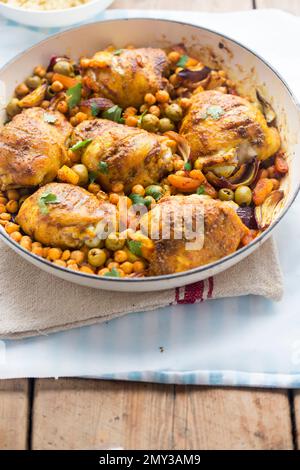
{"x":32,"y":148}
{"x":126,"y":77}
{"x":67,"y":220}
{"x":222,"y":231}
{"x":217,"y":125}
{"x":122,"y":153}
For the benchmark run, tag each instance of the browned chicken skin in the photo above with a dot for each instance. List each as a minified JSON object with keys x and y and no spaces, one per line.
{"x":31,"y":149}
{"x":67,"y":223}
{"x":217,"y":124}
{"x":132,"y":155}
{"x":128,"y":76}
{"x":223,"y":231}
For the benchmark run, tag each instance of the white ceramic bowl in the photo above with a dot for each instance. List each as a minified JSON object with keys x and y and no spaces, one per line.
{"x":54,"y":18}
{"x":241,"y":64}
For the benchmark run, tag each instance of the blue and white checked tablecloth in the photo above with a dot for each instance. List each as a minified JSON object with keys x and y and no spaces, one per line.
{"x":239,"y":341}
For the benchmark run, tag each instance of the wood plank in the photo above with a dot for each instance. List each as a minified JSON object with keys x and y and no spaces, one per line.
{"x":198,"y":5}
{"x":296,"y":412}
{"x":293,"y":6}
{"x":94,"y":414}
{"x":231,"y":419}
{"x":14,"y":414}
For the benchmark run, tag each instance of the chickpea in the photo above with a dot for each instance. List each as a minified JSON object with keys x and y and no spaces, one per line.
{"x":60,"y":263}
{"x":174,"y":79}
{"x":113,"y":265}
{"x":131,"y":121}
{"x":138,"y":189}
{"x":5,"y":216}
{"x":12,"y":207}
{"x":13,"y":108}
{"x":63,"y":67}
{"x":3,"y":200}
{"x":2,"y":208}
{"x":143,"y":108}
{"x":45,"y":104}
{"x":97,"y":257}
{"x":37,"y":250}
{"x":120,"y":256}
{"x":81,"y":117}
{"x":22,"y":90}
{"x":114,"y":242}
{"x":155,"y":110}
{"x":46,"y":250}
{"x":13,"y":194}
{"x":86,"y":270}
{"x":56,"y":86}
{"x":16,"y":236}
{"x":149,"y":98}
{"x":74,"y":267}
{"x":174,"y":56}
{"x":10,"y":227}
{"x":77,"y":256}
{"x":117,"y":187}
{"x":138,"y":266}
{"x":49,"y":76}
{"x":162,"y":96}
{"x":113,"y":199}
{"x":40,"y":71}
{"x":102,"y":195}
{"x":36,"y":245}
{"x":54,"y":254}
{"x":103,"y":271}
{"x":26,"y":243}
{"x":185,"y":103}
{"x":127,"y":267}
{"x":130,"y":111}
{"x":150,"y":123}
{"x":70,"y":262}
{"x":62,"y":107}
{"x":94,"y":188}
{"x":165,"y":125}
{"x":33,"y":82}
{"x":82,"y":171}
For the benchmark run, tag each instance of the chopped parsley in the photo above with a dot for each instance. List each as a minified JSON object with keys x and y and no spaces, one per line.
{"x":74,"y":95}
{"x":118,"y":51}
{"x":187,"y":166}
{"x":139,"y":200}
{"x":93,"y":175}
{"x":95,"y":109}
{"x":201,"y":190}
{"x":114,"y":114}
{"x":103,"y":168}
{"x":182,"y":61}
{"x":135,"y":247}
{"x":45,"y":199}
{"x":141,"y":117}
{"x":81,"y":144}
{"x":112,"y":273}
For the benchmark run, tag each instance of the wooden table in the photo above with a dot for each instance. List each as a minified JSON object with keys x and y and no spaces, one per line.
{"x":93,"y":414}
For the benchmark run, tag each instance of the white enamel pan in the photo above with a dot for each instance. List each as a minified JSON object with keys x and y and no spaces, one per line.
{"x":252,"y":73}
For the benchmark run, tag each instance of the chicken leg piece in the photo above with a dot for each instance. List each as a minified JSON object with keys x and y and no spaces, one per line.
{"x":218,"y":124}
{"x":120,"y":153}
{"x":126,"y":77}
{"x":33,"y":148}
{"x":220,"y":233}
{"x":67,"y":220}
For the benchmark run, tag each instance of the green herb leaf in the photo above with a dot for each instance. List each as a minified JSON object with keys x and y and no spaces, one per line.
{"x":118,"y":51}
{"x":47,"y":198}
{"x":95,"y":109}
{"x":139,"y":200}
{"x":154,"y":191}
{"x":93,"y":176}
{"x":81,"y":144}
{"x":187,"y":166}
{"x":182,"y":61}
{"x":215,"y":112}
{"x":113,"y":114}
{"x":112,"y":273}
{"x":50,"y":118}
{"x":103,"y":167}
{"x":74,"y":95}
{"x":141,"y":117}
{"x":201,"y":190}
{"x":135,"y":247}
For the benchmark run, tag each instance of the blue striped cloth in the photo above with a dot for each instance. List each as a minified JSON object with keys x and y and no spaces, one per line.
{"x":246,"y":341}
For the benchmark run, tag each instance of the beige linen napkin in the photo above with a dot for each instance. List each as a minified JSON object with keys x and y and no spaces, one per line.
{"x":33,"y":302}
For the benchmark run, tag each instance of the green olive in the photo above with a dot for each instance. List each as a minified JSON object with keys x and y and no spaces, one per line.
{"x":114,"y":242}
{"x":82,"y":172}
{"x":13,"y":108}
{"x":150,"y":123}
{"x":97,"y":257}
{"x":174,"y":112}
{"x":63,"y":67}
{"x":226,"y":194}
{"x":166,"y":125}
{"x":33,"y":82}
{"x":155,"y":191}
{"x":243,"y":196}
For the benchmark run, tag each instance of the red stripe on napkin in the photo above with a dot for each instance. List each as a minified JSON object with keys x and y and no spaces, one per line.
{"x":194,"y":292}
